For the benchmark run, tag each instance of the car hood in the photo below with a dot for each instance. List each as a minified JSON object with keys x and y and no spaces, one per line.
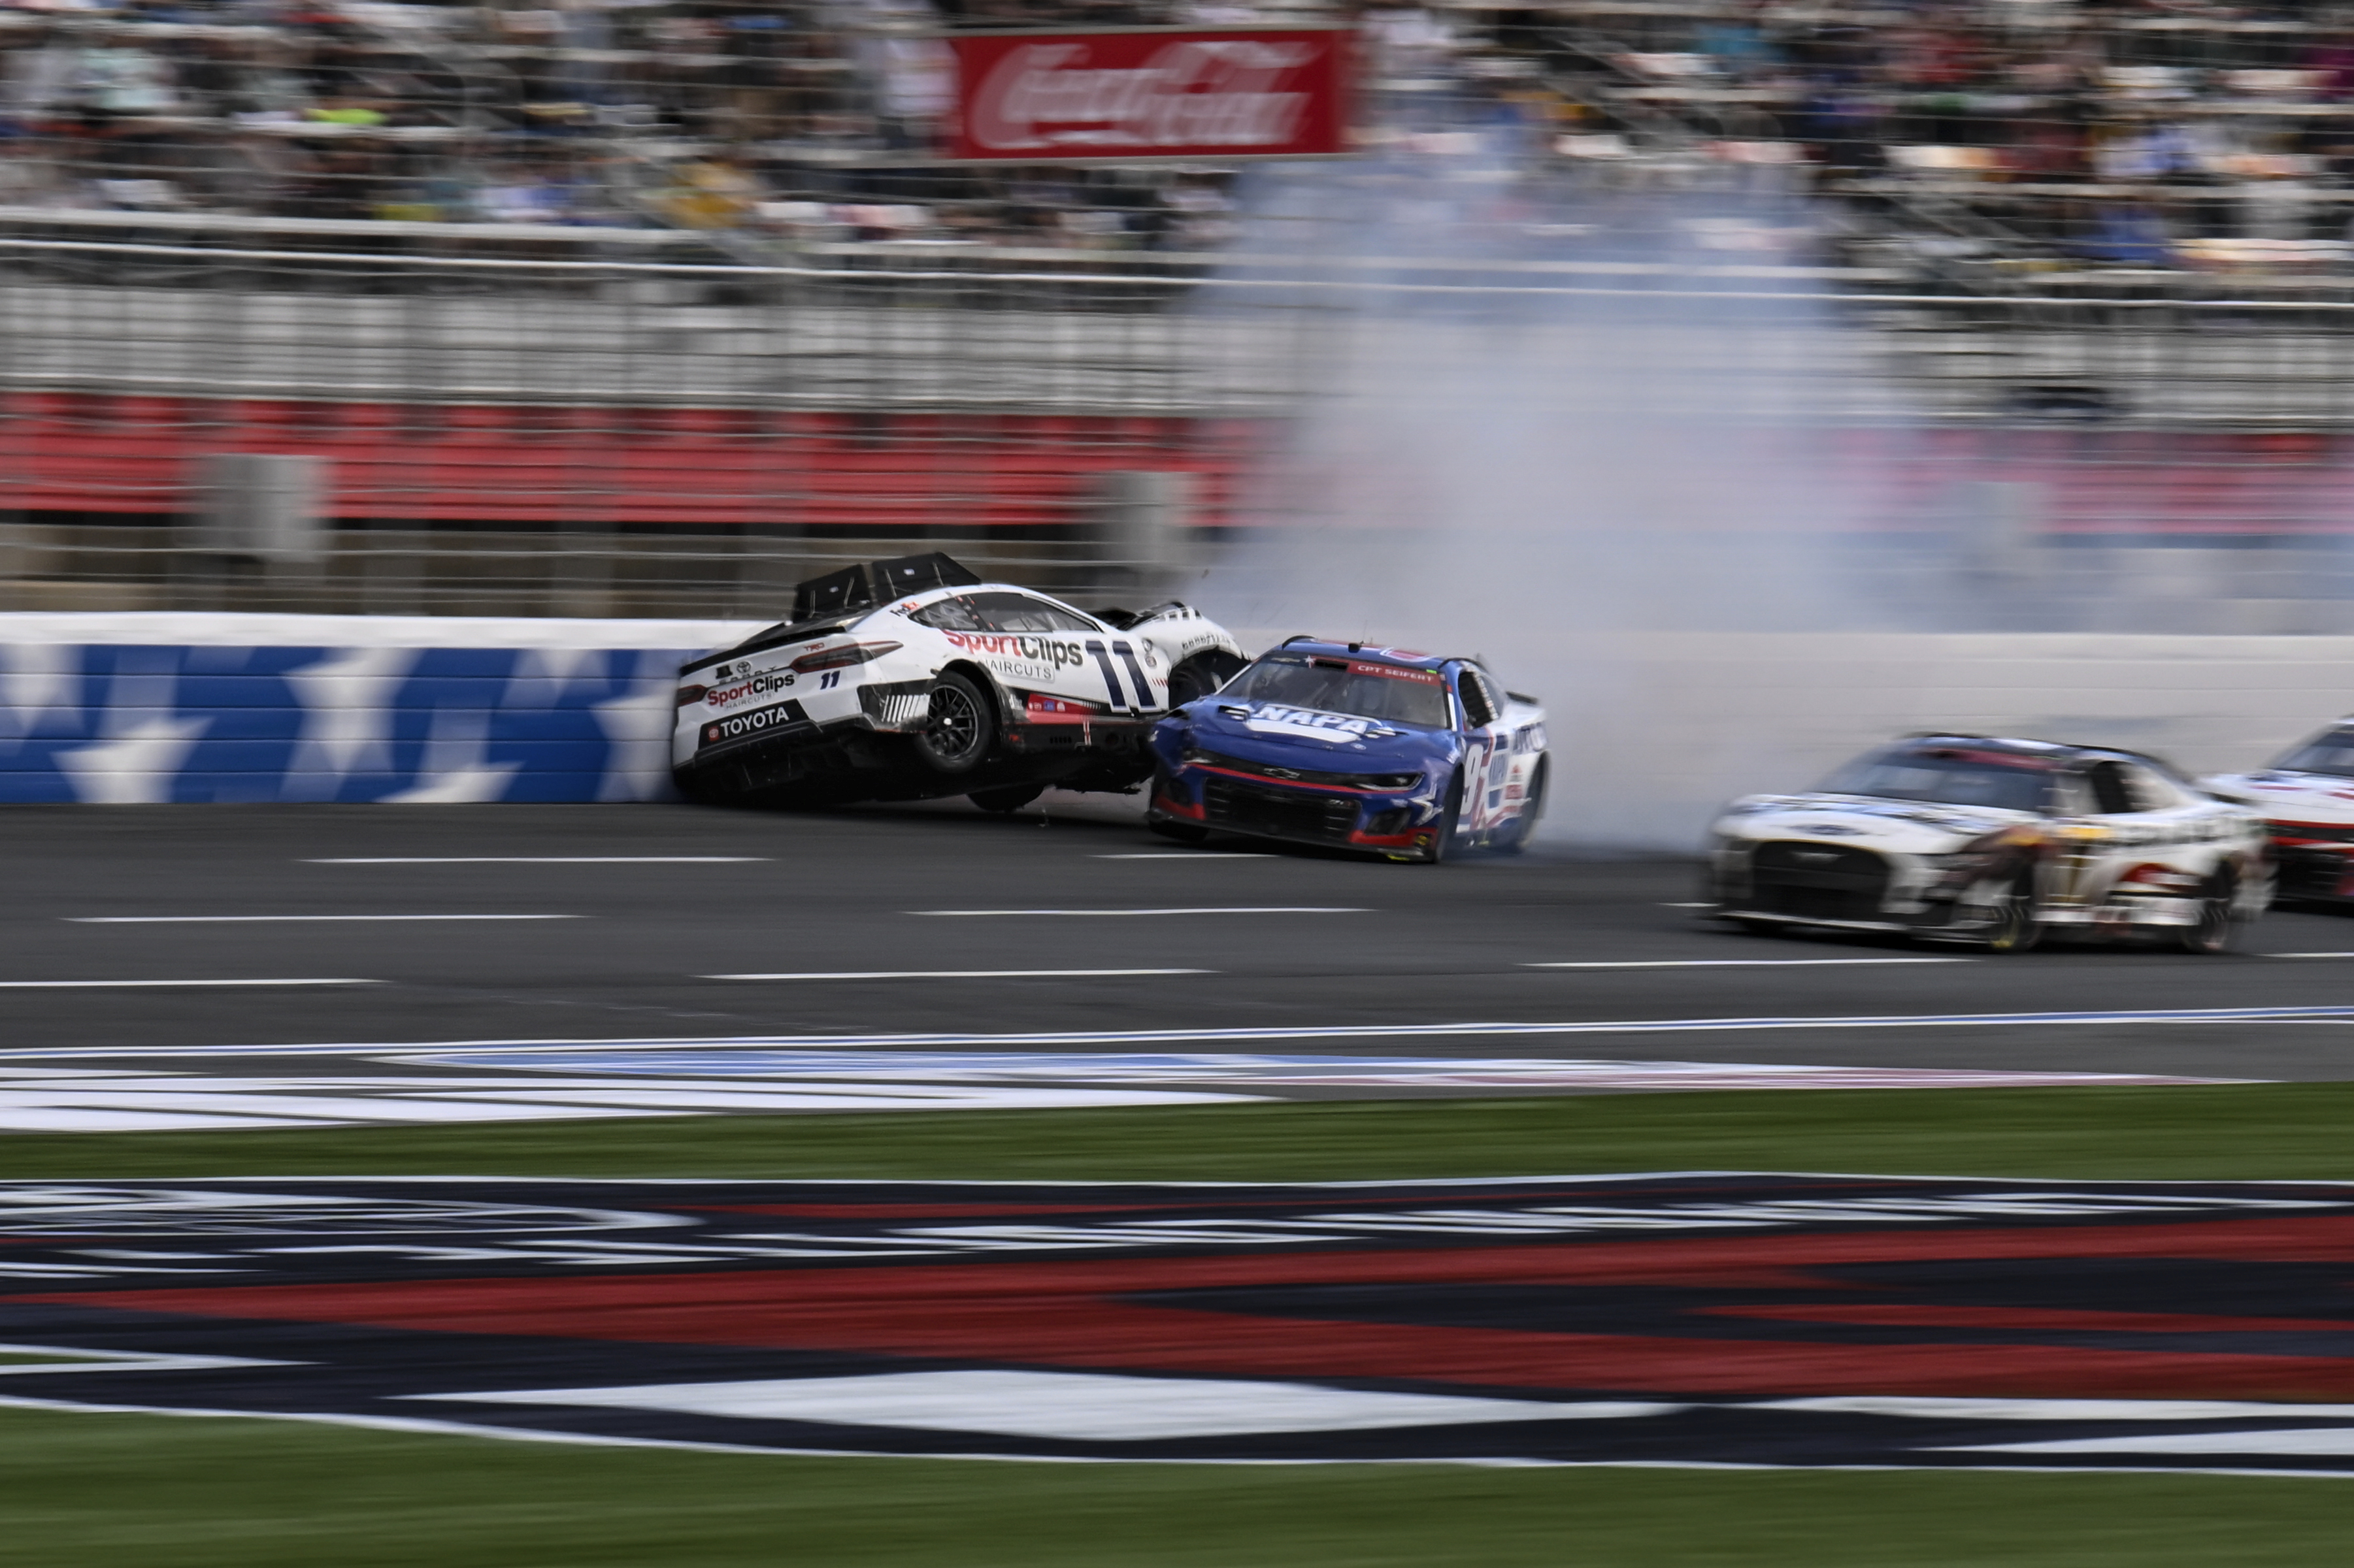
{"x":1310,"y":737}
{"x":2281,"y":794}
{"x":1907,"y":827}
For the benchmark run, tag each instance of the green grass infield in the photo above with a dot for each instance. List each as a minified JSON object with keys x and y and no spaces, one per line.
{"x":98,"y":1490}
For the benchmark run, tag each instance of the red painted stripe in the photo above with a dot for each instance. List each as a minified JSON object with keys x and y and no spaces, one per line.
{"x":1066,"y":1314}
{"x":1920,"y":1315}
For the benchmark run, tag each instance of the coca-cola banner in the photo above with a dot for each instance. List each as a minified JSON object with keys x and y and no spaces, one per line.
{"x":1151,"y":93}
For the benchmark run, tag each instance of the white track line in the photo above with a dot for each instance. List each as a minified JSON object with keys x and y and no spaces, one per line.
{"x":1700,"y":906}
{"x":124,"y":984}
{"x":1188,"y":854}
{"x":2306,"y":955}
{"x":1742,"y":963}
{"x":542,"y":860}
{"x":1263,"y":909}
{"x":275,"y":919}
{"x":953,"y":974}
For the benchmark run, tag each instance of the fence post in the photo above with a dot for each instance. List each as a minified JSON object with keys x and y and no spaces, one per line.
{"x":264,"y":506}
{"x":1141,"y":528}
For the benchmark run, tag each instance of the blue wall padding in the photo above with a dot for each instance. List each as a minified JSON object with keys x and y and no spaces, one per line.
{"x":200,"y":720}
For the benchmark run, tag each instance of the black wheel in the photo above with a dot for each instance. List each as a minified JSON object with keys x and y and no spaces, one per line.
{"x":1202,"y":674}
{"x":1006,"y":797}
{"x":2218,"y":918}
{"x":1442,"y":842}
{"x":1513,"y":836}
{"x":2015,"y":928}
{"x":959,"y":727}
{"x":1180,"y":832}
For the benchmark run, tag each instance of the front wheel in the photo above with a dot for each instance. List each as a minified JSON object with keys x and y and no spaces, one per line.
{"x":2219,"y":917}
{"x":1442,"y":841}
{"x":2015,"y":928}
{"x":958,"y":726}
{"x":1513,"y":836}
{"x":1006,"y":797}
{"x":1202,"y":674}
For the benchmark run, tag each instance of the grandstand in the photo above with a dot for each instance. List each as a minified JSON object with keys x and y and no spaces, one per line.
{"x":645,"y":308}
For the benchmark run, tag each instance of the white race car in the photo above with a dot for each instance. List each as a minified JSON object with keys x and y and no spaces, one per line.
{"x":1970,"y":838}
{"x":2307,"y":799}
{"x":912,"y":679}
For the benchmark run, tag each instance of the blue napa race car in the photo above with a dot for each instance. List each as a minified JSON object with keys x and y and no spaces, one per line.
{"x":1383,"y":749}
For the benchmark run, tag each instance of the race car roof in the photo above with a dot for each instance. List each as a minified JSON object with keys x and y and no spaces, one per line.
{"x":1413,"y":658}
{"x":874,"y":583}
{"x":2049,"y":750}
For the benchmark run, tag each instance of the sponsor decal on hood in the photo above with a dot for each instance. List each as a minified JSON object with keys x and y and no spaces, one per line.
{"x":1313,"y":724}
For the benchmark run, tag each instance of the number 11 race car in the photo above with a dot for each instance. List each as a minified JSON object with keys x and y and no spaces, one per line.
{"x":1402,"y":754}
{"x":913,"y":678}
{"x":1974,"y":839}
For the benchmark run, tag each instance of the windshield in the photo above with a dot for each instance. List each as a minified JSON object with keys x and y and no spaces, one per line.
{"x":2332,"y":753}
{"x":1951,"y":778}
{"x":1367,"y":689}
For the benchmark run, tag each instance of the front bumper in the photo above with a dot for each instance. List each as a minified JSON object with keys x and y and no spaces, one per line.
{"x":1385,"y":821}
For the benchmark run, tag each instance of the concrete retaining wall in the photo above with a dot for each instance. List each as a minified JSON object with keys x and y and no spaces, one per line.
{"x":1651,"y":732}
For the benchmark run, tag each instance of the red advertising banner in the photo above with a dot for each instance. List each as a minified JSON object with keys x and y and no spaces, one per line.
{"x":1243,"y":92}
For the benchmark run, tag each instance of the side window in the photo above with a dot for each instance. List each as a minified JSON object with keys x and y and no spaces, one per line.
{"x":1478,"y":703}
{"x":2110,"y":795}
{"x":2152,"y":790}
{"x":1019,"y":612}
{"x":950,"y":615}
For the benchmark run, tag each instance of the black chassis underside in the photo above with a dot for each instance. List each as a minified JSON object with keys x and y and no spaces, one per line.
{"x":849,"y":759}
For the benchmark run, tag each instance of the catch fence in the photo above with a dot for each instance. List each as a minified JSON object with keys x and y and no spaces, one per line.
{"x":624,"y":434}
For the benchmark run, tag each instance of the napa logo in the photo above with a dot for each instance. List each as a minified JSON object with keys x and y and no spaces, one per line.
{"x":1311,"y":724}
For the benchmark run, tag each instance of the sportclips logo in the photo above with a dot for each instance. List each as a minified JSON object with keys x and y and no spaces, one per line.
{"x":1257,"y":92}
{"x":1006,"y":645}
{"x":765,"y":682}
{"x":1704,"y":1319}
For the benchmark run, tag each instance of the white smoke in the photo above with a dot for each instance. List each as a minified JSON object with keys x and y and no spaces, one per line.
{"x":1586,"y":477}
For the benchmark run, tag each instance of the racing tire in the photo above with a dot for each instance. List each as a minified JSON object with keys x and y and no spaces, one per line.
{"x":1442,"y":844}
{"x":2016,"y":930}
{"x":1006,"y":797}
{"x":959,"y":727}
{"x":2217,"y":925}
{"x":1513,"y":836}
{"x":1201,"y":675}
{"x":1180,"y":832}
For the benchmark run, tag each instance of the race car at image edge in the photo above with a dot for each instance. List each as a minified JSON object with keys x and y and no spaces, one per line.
{"x":1994,"y":841}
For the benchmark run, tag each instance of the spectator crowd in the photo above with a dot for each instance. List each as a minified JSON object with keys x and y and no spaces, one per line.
{"x":2147,"y":134}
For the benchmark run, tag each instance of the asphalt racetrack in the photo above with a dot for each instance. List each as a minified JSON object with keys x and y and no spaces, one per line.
{"x":941,"y":921}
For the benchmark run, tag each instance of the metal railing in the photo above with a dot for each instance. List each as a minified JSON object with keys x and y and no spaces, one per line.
{"x":571,"y":434}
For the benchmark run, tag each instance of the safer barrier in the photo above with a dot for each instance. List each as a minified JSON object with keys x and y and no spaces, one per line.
{"x":151,"y":708}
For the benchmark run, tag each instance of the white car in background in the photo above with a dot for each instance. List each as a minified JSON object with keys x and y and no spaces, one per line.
{"x":1997,"y":842}
{"x":2307,"y":799}
{"x":913,"y":678}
